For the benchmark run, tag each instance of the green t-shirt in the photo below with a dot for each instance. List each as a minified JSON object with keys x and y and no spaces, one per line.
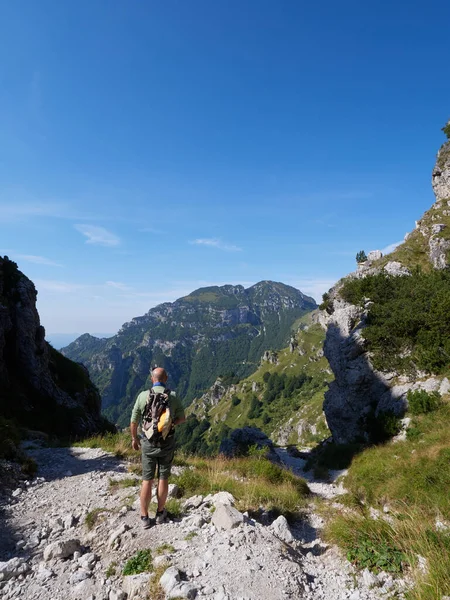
{"x":176,"y":410}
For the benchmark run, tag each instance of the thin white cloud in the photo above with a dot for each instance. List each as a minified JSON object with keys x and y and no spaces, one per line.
{"x":98,"y":235}
{"x":15,"y":211}
{"x":37,"y":260}
{"x":391,"y":247}
{"x":216,"y":243}
{"x":119,"y":286}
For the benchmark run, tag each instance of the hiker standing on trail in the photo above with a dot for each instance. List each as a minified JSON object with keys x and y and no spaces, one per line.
{"x":159,"y":410}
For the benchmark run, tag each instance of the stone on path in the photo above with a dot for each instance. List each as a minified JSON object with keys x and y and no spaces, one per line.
{"x":61,"y":549}
{"x":116,"y":534}
{"x":280,"y":528}
{"x":134,"y":584}
{"x":13,"y":568}
{"x":170,"y":579}
{"x":193,"y":502}
{"x":226,"y":517}
{"x":220,"y":498}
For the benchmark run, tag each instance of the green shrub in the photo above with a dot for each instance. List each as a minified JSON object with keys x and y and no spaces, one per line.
{"x":446,"y":130}
{"x":361,"y":257}
{"x":139,"y":563}
{"x":383,"y":426}
{"x":421,"y":402}
{"x":407,"y":326}
{"x":235,"y":400}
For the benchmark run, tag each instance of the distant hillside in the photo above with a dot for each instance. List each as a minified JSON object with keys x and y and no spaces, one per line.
{"x":60,"y":340}
{"x":283,"y":397}
{"x":211,"y":332}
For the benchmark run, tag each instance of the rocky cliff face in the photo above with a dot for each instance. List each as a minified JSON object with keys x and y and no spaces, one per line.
{"x":360,"y":393}
{"x":38,"y":386}
{"x":211,"y":332}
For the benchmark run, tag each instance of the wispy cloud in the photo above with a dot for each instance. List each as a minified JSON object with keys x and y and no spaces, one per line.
{"x":119,"y":286}
{"x":16,"y":211}
{"x":98,"y":235}
{"x":216,"y":243}
{"x":391,"y":247}
{"x":37,"y":260}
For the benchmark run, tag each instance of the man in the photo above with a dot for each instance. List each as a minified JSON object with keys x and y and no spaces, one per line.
{"x":155,"y":457}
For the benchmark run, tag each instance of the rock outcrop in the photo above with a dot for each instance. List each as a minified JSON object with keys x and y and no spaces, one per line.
{"x":360,"y":394}
{"x":40,"y":387}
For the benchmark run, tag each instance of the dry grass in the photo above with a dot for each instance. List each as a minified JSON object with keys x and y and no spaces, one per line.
{"x":253,"y":481}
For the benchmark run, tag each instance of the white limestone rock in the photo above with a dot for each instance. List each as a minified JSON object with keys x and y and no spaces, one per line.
{"x":395,"y":268}
{"x":133,"y":585}
{"x":226,"y":517}
{"x":61,"y":549}
{"x":170,"y":579}
{"x":13,"y":568}
{"x":220,"y":498}
{"x":374,"y":255}
{"x":280,"y":528}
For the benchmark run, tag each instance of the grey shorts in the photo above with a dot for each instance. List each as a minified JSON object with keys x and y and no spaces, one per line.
{"x":156,"y":461}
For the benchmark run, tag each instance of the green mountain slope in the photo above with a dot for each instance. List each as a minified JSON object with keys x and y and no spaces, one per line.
{"x":212,"y":331}
{"x":283,"y":397}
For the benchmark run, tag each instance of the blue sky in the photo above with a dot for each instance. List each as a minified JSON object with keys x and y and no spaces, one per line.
{"x":150,"y":148}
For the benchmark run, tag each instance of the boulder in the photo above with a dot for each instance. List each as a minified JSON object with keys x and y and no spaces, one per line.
{"x":220,"y":498}
{"x":133,"y":585}
{"x":61,"y":549}
{"x":374,"y":255}
{"x":170,"y":579}
{"x":396,"y":269}
{"x":115,"y":536}
{"x":242,"y":439}
{"x":280,"y":528}
{"x":13,"y":568}
{"x":193,"y":502}
{"x":226,"y":517}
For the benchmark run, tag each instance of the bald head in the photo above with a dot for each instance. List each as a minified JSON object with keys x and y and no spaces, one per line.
{"x":159,"y":374}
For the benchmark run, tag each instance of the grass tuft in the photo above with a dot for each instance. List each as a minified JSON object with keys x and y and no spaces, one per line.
{"x":139,"y":563}
{"x":164,"y":548}
{"x":93,"y":516}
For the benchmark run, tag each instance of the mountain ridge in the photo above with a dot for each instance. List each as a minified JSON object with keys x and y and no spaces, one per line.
{"x":212,"y":331}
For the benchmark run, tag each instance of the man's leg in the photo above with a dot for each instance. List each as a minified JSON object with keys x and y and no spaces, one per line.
{"x":146,"y":496}
{"x":163,"y":489}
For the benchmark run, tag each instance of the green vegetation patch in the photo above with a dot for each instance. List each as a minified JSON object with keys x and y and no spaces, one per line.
{"x":368,"y":543}
{"x":164,"y":549}
{"x":407,"y":326}
{"x":421,"y":402}
{"x":92,"y":517}
{"x":139,"y":563}
{"x":416,"y":471}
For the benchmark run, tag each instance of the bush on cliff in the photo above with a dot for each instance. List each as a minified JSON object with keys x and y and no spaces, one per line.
{"x":407,"y":326}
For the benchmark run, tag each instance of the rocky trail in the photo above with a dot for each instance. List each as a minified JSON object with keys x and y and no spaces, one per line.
{"x":212,"y":551}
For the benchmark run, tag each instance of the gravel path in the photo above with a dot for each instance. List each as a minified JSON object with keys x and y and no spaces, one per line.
{"x":50,"y":554}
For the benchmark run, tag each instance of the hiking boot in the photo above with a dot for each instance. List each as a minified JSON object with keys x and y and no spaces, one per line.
{"x":161,"y":516}
{"x":146,"y":522}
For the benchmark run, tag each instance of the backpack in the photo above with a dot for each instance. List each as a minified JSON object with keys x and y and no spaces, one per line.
{"x":157,"y":422}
